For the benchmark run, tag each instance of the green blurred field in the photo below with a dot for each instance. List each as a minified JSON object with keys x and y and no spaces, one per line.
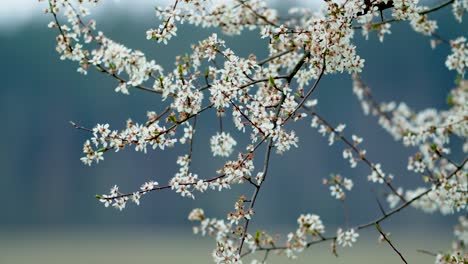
{"x":88,"y":247}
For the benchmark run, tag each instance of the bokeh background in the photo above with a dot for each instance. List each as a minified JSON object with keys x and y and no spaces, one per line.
{"x":49,"y":213}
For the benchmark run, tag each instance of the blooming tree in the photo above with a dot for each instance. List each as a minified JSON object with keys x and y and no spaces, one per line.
{"x":267,"y":98}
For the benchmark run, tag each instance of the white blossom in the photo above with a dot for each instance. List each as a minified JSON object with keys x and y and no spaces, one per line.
{"x":222,"y":144}
{"x":346,"y":238}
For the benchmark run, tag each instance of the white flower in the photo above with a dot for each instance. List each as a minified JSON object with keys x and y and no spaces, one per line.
{"x":394,"y":199}
{"x":122,"y":87}
{"x":188,"y":134}
{"x":284,"y":140}
{"x":222,"y":144}
{"x":348,"y":184}
{"x":384,"y":29}
{"x":461,"y":230}
{"x":120,"y":203}
{"x":196,"y":214}
{"x":459,"y":7}
{"x":356,"y":140}
{"x":458,"y":60}
{"x":148,"y":186}
{"x":340,"y":128}
{"x":336,"y":191}
{"x":114,"y":191}
{"x":377,"y":174}
{"x":310,"y":223}
{"x":226,"y":252}
{"x":136,"y":198}
{"x":346,"y":238}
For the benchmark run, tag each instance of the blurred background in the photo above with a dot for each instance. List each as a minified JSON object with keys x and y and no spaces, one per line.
{"x":49,"y":213}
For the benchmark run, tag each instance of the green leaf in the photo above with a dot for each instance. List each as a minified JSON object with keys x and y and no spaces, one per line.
{"x":450,"y":100}
{"x":98,"y":196}
{"x":173,"y":119}
{"x":161,"y":79}
{"x":426,"y":178}
{"x":271,"y":80}
{"x":99,"y":68}
{"x":458,"y":79}
{"x":102,"y":150}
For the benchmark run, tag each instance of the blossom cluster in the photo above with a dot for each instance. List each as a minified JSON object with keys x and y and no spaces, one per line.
{"x":139,"y":135}
{"x":337,"y":183}
{"x":119,"y":201}
{"x":429,"y":130}
{"x":346,"y":238}
{"x":457,"y":254}
{"x":309,"y":225}
{"x":225,"y":234}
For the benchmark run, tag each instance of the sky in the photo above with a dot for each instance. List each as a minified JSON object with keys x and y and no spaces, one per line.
{"x":52,"y":152}
{"x":15,"y":14}
{"x":50,"y":214}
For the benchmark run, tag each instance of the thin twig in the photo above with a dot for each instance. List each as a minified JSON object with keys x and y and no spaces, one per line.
{"x":371,"y":223}
{"x":275,"y":56}
{"x":185,"y":184}
{"x":255,"y":193}
{"x":433,"y":9}
{"x":427,"y":252}
{"x":389,"y":242}
{"x":355,"y":150}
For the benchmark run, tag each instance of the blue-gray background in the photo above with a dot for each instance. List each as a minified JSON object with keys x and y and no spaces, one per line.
{"x":45,"y":187}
